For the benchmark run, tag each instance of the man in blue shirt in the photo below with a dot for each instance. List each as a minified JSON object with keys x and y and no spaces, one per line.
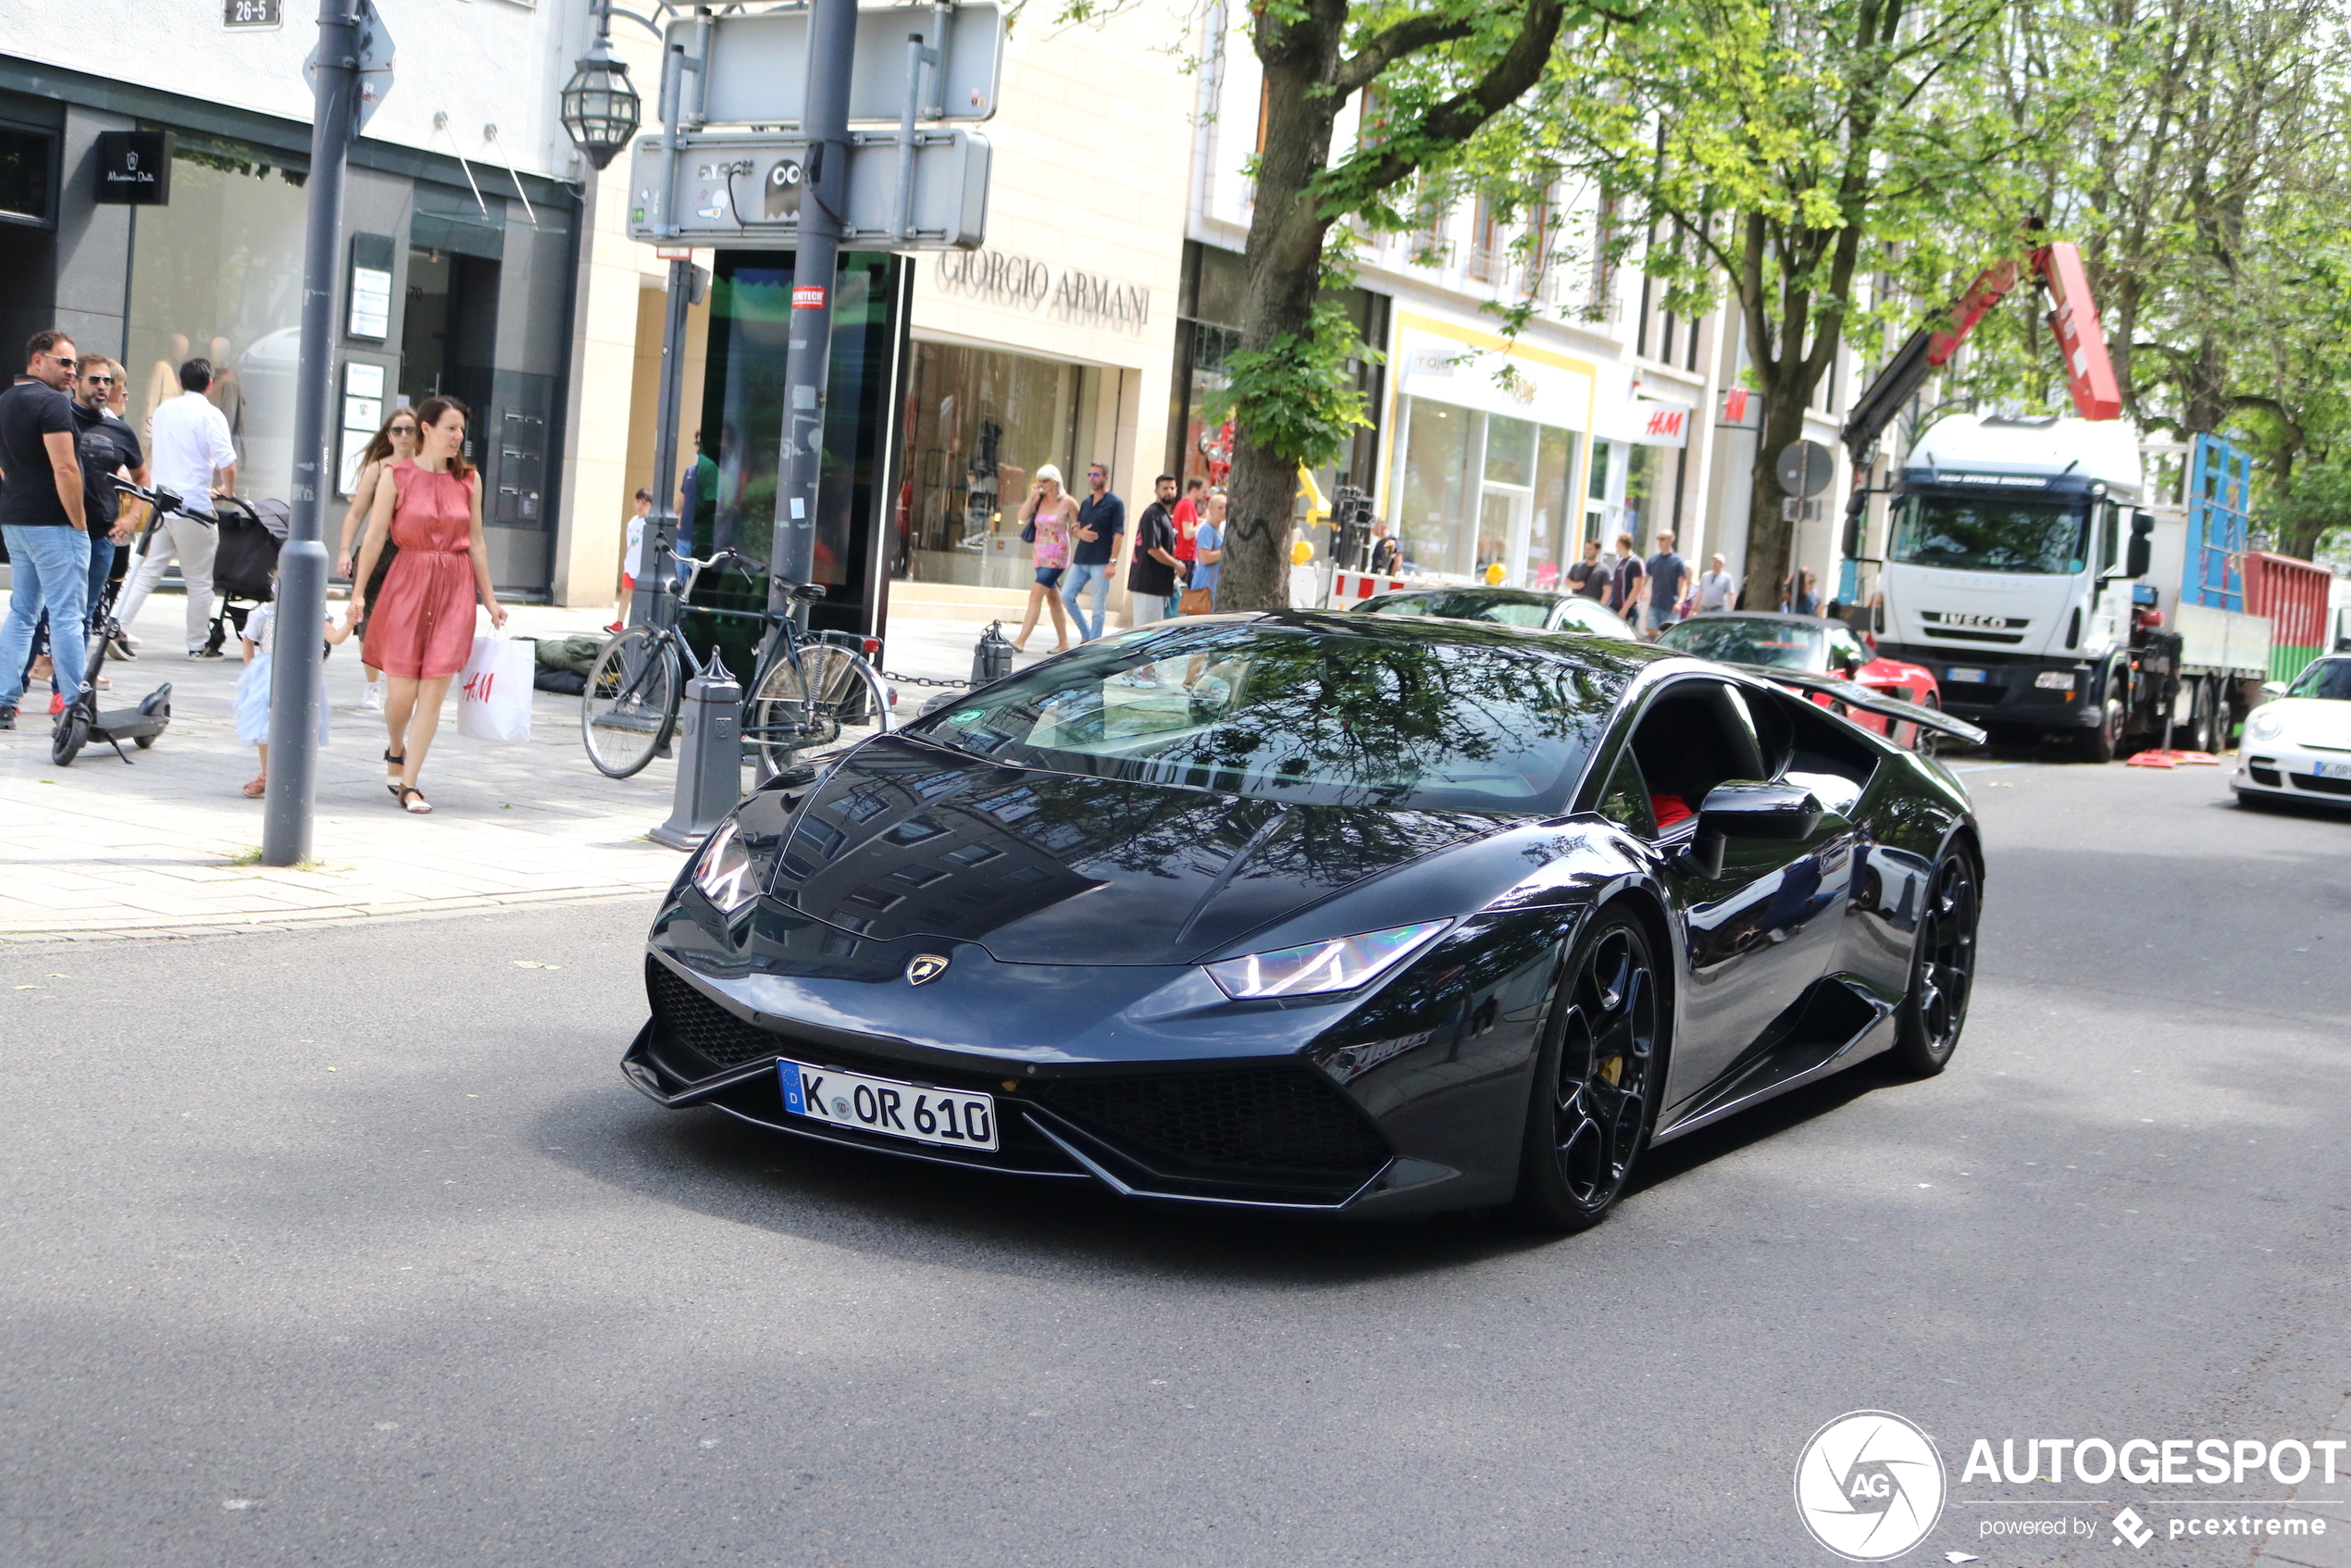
{"x":1101,"y":517}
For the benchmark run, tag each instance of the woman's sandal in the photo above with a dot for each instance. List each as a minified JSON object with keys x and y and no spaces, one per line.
{"x":419,"y":805}
{"x":258,"y":787}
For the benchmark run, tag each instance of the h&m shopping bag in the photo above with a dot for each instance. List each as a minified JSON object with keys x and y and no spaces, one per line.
{"x":493,"y":702}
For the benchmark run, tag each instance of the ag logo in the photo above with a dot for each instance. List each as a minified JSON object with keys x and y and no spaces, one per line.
{"x":1869,"y":1485}
{"x":925,"y":967}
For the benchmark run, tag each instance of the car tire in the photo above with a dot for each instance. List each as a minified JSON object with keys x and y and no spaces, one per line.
{"x":1934,"y":1010}
{"x":2105,"y":743}
{"x":1597,"y":1077}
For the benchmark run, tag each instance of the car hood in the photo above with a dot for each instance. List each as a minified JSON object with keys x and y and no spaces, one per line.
{"x":2309,"y":721}
{"x":906,"y":838}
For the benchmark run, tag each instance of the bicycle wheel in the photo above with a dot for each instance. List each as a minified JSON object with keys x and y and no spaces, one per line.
{"x":630,"y":706}
{"x":831,"y":702}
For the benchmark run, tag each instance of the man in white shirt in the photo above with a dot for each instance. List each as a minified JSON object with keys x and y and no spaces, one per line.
{"x":190,"y":452}
{"x":1714,"y":587}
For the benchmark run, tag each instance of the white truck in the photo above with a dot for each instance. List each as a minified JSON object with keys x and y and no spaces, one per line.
{"x":2029,"y":568}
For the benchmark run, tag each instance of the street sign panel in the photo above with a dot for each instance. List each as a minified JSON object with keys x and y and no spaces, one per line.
{"x":1804,"y":467}
{"x":746,"y":190}
{"x":758,"y":65}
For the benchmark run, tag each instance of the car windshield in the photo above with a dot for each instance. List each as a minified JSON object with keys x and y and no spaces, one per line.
{"x":1787,"y":645}
{"x":1992,"y":533}
{"x":1380,"y":717}
{"x":1501,"y":609}
{"x":2328,"y":678}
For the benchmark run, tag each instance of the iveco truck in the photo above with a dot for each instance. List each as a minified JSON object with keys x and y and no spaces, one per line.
{"x":2015,"y":550}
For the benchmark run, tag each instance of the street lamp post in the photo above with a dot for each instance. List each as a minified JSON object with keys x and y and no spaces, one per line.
{"x":297,"y":681}
{"x":601,"y":114}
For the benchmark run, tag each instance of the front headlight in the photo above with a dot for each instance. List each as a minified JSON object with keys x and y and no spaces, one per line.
{"x":723,"y":873}
{"x":2264,"y":727}
{"x":1340,"y":964}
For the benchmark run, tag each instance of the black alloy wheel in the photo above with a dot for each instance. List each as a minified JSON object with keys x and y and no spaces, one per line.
{"x":71,"y":733}
{"x":1597,"y":1080}
{"x":1942,"y":969}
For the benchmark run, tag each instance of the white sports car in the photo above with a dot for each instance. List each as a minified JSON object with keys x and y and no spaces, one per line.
{"x":2299,"y":744}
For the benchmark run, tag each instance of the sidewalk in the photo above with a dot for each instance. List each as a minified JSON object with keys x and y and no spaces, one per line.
{"x":168,"y":845}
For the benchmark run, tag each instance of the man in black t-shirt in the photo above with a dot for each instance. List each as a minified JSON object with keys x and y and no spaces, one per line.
{"x":40,"y":516}
{"x":1590,"y":575}
{"x":1151,"y":576}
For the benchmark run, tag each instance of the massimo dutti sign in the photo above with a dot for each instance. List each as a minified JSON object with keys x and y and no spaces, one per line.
{"x":134,"y":168}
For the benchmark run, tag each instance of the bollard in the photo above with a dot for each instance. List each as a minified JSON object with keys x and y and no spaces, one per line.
{"x":710,"y":758}
{"x":991,"y":656}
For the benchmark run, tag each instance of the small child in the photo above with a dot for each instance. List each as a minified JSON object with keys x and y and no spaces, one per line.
{"x":253,"y":688}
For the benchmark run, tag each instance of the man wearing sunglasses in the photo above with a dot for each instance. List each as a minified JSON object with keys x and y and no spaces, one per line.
{"x":108,"y":447}
{"x":41,"y":518}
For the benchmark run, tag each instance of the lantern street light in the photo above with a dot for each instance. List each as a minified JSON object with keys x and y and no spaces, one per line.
{"x":599,"y":109}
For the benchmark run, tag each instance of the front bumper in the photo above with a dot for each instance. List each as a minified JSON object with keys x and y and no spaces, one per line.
{"x":2288,"y":772}
{"x":1265,"y":1131}
{"x":2009,"y":693}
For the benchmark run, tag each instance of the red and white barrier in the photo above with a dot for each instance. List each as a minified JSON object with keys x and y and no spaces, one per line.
{"x":1348,"y":588}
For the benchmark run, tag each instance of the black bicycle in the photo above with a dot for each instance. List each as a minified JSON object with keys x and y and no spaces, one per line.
{"x":811,"y":693}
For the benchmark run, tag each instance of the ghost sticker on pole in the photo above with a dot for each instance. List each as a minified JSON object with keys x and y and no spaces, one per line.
{"x":782,"y":192}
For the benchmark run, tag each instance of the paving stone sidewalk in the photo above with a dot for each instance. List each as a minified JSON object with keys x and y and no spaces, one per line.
{"x":168,"y":845}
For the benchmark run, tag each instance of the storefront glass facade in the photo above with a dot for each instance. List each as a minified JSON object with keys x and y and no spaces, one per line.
{"x":979,"y":424}
{"x":1470,"y":489}
{"x":218,"y":275}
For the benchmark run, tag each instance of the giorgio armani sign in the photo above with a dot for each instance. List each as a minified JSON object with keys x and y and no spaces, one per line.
{"x":134,"y":168}
{"x":1026,"y":284}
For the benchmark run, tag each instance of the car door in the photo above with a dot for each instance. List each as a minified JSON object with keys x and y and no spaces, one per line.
{"x":1763,"y":929}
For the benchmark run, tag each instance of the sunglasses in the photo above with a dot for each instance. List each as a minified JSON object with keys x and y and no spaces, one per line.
{"x":402,"y":430}
{"x":62,"y":360}
{"x":99,"y":380}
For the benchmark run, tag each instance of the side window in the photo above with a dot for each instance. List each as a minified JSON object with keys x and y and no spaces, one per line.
{"x":1625,"y":800}
{"x":1823,"y":755}
{"x":2109,"y":532}
{"x":1845,"y":650}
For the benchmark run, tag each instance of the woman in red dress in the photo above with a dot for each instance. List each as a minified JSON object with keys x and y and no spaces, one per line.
{"x":422,"y":629}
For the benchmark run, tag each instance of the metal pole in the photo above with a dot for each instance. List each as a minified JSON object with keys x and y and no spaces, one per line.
{"x":662,"y":527}
{"x":297,"y":681}
{"x":832,"y":43}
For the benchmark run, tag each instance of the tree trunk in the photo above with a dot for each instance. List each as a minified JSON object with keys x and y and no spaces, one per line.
{"x":1285,"y":267}
{"x":1770,"y":538}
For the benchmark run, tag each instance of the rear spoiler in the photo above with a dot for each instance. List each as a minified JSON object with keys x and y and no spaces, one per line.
{"x":1853,"y":694}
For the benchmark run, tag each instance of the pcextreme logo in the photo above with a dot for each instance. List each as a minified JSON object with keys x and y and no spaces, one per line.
{"x":1869,"y":1485}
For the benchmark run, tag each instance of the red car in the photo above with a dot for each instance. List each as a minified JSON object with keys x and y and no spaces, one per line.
{"x":1764,"y":643}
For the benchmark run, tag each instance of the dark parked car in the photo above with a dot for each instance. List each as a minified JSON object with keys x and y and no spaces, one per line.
{"x":1535,"y":608}
{"x":1321,"y":912}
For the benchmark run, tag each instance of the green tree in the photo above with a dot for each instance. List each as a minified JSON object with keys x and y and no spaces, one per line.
{"x":1830,"y":162}
{"x":1439,"y":72}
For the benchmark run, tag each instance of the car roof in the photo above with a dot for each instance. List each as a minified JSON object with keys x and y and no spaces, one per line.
{"x":1568,"y":646}
{"x":1783,"y":617}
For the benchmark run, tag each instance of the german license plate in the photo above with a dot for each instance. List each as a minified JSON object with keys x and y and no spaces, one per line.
{"x":1971,"y":677}
{"x":2332,"y":769}
{"x":954,"y":1118}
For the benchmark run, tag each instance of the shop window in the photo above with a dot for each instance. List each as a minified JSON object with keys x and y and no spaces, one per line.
{"x":1647,"y":493}
{"x":1437,"y":486}
{"x":1552,"y":544}
{"x":981,"y":423}
{"x":218,"y":275}
{"x":25,"y":158}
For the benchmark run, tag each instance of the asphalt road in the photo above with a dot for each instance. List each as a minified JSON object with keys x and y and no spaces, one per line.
{"x":352,"y":1246}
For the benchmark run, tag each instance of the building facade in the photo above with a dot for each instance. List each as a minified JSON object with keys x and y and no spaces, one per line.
{"x":461,"y":231}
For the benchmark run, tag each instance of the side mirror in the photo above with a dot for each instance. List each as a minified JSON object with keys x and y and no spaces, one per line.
{"x":1741,"y":809}
{"x":2141,"y":554}
{"x":1852,"y":536}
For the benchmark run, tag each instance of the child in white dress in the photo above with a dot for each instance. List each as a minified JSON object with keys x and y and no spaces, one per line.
{"x":253,"y":688}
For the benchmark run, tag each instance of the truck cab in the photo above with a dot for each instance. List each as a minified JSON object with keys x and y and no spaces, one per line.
{"x":2004,"y":571}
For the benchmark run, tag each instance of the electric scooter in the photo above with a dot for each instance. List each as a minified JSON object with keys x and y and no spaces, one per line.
{"x":82,"y":722}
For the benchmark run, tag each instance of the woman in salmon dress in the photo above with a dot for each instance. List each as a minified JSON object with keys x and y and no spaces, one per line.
{"x":421,"y":629}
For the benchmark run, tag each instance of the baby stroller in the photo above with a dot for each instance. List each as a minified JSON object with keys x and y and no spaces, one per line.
{"x":250,"y":535}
